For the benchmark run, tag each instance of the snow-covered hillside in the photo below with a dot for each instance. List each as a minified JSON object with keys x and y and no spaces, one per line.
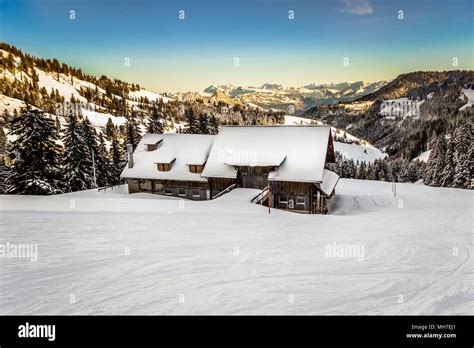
{"x":99,"y":119}
{"x":424,"y":156}
{"x":469,"y":93}
{"x":359,"y":150}
{"x":146,"y":254}
{"x":10,"y":104}
{"x":68,"y":85}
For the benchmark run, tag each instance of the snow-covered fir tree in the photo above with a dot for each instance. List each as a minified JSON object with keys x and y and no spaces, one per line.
{"x":3,"y":176}
{"x":435,"y":165}
{"x":463,"y":156}
{"x":3,"y":168}
{"x":35,"y":155}
{"x":411,"y":173}
{"x":117,"y":157}
{"x":203,"y":124}
{"x":213,"y":125}
{"x":109,"y":129}
{"x":450,"y":162}
{"x":447,"y":175}
{"x":96,"y":146}
{"x":155,"y":124}
{"x":361,"y":171}
{"x":77,"y":162}
{"x":103,"y":164}
{"x":132,"y":132}
{"x":192,"y":122}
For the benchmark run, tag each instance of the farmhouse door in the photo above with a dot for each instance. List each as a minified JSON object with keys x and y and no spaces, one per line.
{"x":253,"y":177}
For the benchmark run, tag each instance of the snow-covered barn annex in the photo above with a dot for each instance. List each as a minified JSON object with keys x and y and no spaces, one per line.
{"x":287,"y":163}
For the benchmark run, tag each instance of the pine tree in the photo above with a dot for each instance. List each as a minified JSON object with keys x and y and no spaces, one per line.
{"x":77,"y":157}
{"x":463,"y":156}
{"x":447,"y":175}
{"x":376,"y":170}
{"x":192,"y":122}
{"x":109,"y":129}
{"x":3,"y":142}
{"x":435,"y":163}
{"x":3,"y":168}
{"x":3,"y":176}
{"x":117,"y":157}
{"x":132,"y":132}
{"x":213,"y":125}
{"x":370,"y":171}
{"x":5,"y":117}
{"x":361,"y":171}
{"x":57,"y":124}
{"x":155,"y":125}
{"x":203,"y":124}
{"x":412,"y":172}
{"x":96,"y":147}
{"x":35,"y":155}
{"x":103,"y":164}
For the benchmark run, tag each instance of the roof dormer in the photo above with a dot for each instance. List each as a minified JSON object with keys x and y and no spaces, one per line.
{"x":196,"y":168}
{"x":165,"y":166}
{"x":152,"y":146}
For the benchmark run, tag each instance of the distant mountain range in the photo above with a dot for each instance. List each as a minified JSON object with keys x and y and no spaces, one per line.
{"x":295,"y":99}
{"x":444,"y":100}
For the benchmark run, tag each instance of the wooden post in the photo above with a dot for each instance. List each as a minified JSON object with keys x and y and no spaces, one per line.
{"x":269,"y":196}
{"x":318,"y":202}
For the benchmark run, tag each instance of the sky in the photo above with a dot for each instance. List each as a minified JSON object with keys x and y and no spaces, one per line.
{"x":243,"y":42}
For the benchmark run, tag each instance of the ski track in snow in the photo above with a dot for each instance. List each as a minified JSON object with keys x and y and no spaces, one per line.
{"x":228,"y":256}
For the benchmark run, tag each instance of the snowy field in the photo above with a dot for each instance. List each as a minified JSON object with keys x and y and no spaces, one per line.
{"x":111,"y":253}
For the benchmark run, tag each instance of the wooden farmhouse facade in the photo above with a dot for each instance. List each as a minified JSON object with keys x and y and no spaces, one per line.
{"x":287,"y":163}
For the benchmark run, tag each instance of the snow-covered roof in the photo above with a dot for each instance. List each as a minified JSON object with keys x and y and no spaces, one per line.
{"x":330,"y":180}
{"x":164,"y":157}
{"x":184,"y":149}
{"x":298,"y":152}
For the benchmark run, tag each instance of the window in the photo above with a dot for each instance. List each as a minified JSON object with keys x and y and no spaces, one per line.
{"x":195,"y":168}
{"x":159,"y":186}
{"x":300,"y":203}
{"x":196,"y":193}
{"x":181,"y":192}
{"x":151,"y":147}
{"x":168,"y":191}
{"x":283,"y":201}
{"x":164,"y":167}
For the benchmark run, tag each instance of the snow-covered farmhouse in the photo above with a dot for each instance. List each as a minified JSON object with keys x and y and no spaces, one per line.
{"x":287,"y":163}
{"x":169,"y":164}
